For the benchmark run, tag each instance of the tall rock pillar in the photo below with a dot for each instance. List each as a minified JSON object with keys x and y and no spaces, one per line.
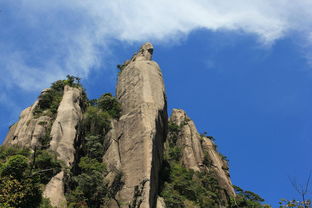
{"x":141,"y":129}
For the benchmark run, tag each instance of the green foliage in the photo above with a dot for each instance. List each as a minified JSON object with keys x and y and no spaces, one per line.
{"x":5,"y":152}
{"x":89,"y":165}
{"x":89,"y":187}
{"x":173,"y":134}
{"x":46,"y":166}
{"x":50,"y":99}
{"x":284,"y":203}
{"x":85,"y":183}
{"x":24,"y":193}
{"x":181,"y":185}
{"x":15,"y":166}
{"x":173,"y":128}
{"x":175,"y":153}
{"x":109,"y":104}
{"x":45,"y":139}
{"x":95,"y":121}
{"x":172,"y":197}
{"x":21,"y":175}
{"x":207,"y":161}
{"x":94,"y":147}
{"x":246,"y":199}
{"x":45,"y":203}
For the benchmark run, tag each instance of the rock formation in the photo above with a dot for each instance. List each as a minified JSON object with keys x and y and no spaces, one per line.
{"x":29,"y":128}
{"x":198,"y":150}
{"x":134,"y":145}
{"x":141,"y":130}
{"x":62,"y":132}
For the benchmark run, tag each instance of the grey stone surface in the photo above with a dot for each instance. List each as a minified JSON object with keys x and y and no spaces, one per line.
{"x":194,"y":148}
{"x":28,"y":129}
{"x":64,"y":128}
{"x":54,"y":191}
{"x":141,"y":130}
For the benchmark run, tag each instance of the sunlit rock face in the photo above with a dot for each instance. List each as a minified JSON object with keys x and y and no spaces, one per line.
{"x":29,"y":128}
{"x":194,"y":148}
{"x":140,"y":132}
{"x":64,"y":128}
{"x":61,"y":129}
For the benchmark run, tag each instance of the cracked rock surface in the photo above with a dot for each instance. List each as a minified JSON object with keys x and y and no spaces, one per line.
{"x":137,"y":139}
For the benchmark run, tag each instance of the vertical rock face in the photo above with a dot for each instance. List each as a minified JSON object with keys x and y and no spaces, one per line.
{"x":196,"y":149}
{"x":141,"y":130}
{"x":64,"y":128}
{"x":63,"y":134}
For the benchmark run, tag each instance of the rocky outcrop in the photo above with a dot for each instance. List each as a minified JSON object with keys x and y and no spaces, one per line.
{"x":190,"y":140}
{"x":137,"y":143}
{"x":160,"y":203}
{"x":54,"y":190}
{"x":61,"y":130}
{"x":199,"y":152}
{"x":218,"y":165}
{"x":64,"y":128}
{"x":64,"y":134}
{"x":29,"y":128}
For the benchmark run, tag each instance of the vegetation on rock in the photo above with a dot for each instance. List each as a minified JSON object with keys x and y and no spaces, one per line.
{"x":246,"y":199}
{"x":85,"y":184}
{"x":24,"y":172}
{"x":182,"y":187}
{"x":22,"y":175}
{"x":50,"y":99}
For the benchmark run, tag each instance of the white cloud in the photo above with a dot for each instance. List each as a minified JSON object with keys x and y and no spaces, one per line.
{"x":45,"y":40}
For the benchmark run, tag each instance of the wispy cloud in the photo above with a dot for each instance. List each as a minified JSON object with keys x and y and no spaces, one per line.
{"x":41,"y":41}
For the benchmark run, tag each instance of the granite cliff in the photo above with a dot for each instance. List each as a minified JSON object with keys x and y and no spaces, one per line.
{"x":122,"y":151}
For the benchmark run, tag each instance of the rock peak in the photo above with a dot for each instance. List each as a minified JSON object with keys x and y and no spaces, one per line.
{"x":145,"y":53}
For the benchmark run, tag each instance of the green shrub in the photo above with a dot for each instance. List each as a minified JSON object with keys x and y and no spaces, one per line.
{"x":94,"y":147}
{"x":172,"y":198}
{"x":12,"y":150}
{"x":95,"y":121}
{"x":89,"y":189}
{"x":246,"y":199}
{"x":21,"y":176}
{"x":182,"y":187}
{"x":19,"y":193}
{"x":175,"y":153}
{"x":207,"y":161}
{"x":45,"y":203}
{"x":15,"y":166}
{"x":85,"y":185}
{"x":46,"y":166}
{"x":109,"y":104}
{"x":89,"y":165}
{"x":50,"y":100}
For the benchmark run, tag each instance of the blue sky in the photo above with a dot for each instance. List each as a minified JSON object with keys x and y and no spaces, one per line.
{"x":242,"y":71}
